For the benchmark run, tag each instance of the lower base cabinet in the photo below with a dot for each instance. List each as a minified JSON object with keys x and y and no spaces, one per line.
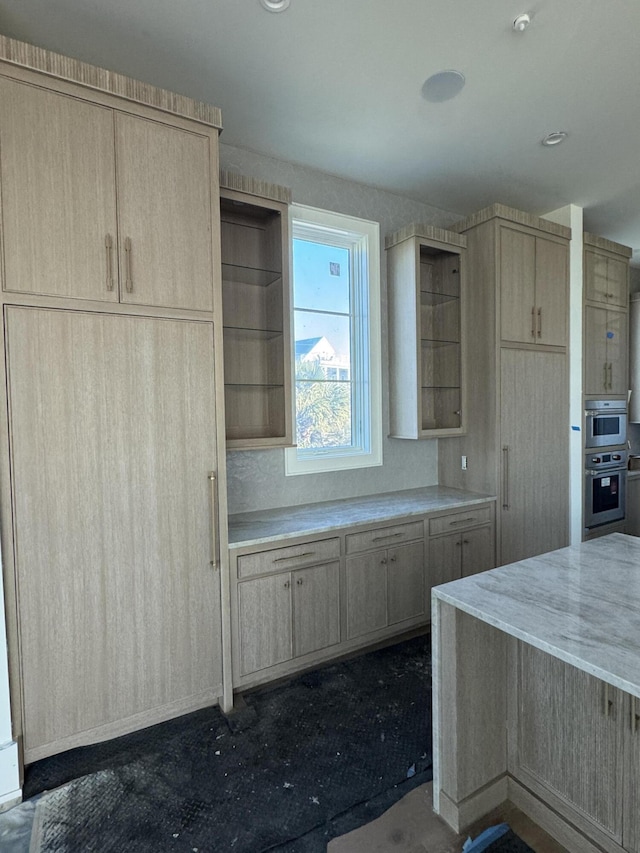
{"x":303,"y":601}
{"x":461,"y":544}
{"x":576,"y":744}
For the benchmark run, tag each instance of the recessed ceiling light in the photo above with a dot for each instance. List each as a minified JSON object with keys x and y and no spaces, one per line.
{"x":275,"y":5}
{"x":443,"y":86}
{"x":554,"y":138}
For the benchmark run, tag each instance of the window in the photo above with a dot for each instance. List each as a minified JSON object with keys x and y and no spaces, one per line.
{"x":336,"y":309}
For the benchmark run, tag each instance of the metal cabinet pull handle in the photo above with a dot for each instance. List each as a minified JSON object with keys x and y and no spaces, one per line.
{"x":388,"y":536}
{"x":610,"y":375}
{"x":213,"y":485}
{"x":464,"y":520}
{"x":533,"y":321}
{"x":287,"y":584}
{"x":294,"y":557}
{"x":539,"y":322}
{"x":634,"y":715}
{"x":606,"y":702}
{"x":605,"y":376}
{"x":505,"y":477}
{"x":299,"y":581}
{"x":108,"y":243}
{"x":127,"y":260}
{"x":383,"y":561}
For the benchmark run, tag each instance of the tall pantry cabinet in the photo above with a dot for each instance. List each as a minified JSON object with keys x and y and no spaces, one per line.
{"x":517,"y":443}
{"x":112,"y":475}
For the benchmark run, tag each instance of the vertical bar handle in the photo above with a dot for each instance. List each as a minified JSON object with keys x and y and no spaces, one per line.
{"x":127,"y":261}
{"x":533,"y":321}
{"x":505,"y":477}
{"x":634,"y":715}
{"x":213,"y":485}
{"x":606,"y":701}
{"x":108,"y":244}
{"x":605,"y":375}
{"x":610,"y":375}
{"x":539,"y":322}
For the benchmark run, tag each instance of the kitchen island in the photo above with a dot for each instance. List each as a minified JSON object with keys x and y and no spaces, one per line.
{"x":535,"y":694}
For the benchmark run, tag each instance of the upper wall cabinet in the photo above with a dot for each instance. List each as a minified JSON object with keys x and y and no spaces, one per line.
{"x":103,"y":205}
{"x":533,"y":295}
{"x":254,"y":222}
{"x":426,"y":302}
{"x":606,"y":317}
{"x":606,"y":274}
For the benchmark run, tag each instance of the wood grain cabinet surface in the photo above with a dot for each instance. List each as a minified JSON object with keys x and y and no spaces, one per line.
{"x":119,"y":605}
{"x":575,"y":744}
{"x":517,"y":442}
{"x":461,"y":544}
{"x":103,"y":205}
{"x":287,"y":615}
{"x":606,"y":317}
{"x":533,"y":292}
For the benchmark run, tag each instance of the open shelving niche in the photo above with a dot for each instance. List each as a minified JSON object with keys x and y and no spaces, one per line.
{"x":256,"y":312}
{"x":425,"y":299}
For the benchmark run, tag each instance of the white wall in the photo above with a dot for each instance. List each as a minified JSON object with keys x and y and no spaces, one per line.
{"x":256,"y":477}
{"x":571,"y":216}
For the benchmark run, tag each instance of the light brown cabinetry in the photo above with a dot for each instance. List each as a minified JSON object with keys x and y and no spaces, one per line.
{"x":290,"y":613}
{"x":517,"y":443}
{"x":386,"y":582}
{"x":533,"y":309}
{"x":606,"y":355}
{"x":575,"y":745}
{"x":103,"y":205}
{"x":119,"y":604}
{"x":606,"y":317}
{"x":426,"y":346}
{"x":256,"y":315}
{"x":112,"y":541}
{"x":461,"y":544}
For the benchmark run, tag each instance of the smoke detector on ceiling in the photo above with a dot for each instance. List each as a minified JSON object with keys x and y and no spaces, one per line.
{"x":522,"y":22}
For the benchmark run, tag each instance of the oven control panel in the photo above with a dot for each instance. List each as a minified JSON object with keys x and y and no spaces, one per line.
{"x":613,"y":459}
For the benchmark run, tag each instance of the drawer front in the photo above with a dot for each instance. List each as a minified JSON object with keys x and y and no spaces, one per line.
{"x":384,"y":537}
{"x":459,"y":520}
{"x":291,"y":557}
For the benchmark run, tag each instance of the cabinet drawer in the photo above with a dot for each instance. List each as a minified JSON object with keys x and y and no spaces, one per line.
{"x":291,"y":557}
{"x":384,"y":537}
{"x":459,"y":520}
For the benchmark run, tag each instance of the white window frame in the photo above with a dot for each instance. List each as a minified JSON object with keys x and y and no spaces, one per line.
{"x":362,"y":237}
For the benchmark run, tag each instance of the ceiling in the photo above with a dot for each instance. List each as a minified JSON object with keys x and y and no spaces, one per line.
{"x":337,"y":85}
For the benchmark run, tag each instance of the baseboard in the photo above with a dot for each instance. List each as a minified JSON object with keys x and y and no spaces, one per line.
{"x":10,"y":791}
{"x":461,"y":815}
{"x":553,"y":823}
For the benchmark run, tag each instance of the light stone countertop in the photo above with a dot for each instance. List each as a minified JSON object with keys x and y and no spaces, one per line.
{"x":271,"y":525}
{"x":580,"y":604}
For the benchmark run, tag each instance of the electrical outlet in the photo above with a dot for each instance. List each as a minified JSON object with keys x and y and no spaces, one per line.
{"x":464,"y":462}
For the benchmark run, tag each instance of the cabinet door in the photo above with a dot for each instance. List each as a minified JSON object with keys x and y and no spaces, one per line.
{"x":567,"y":741}
{"x":517,"y":286}
{"x":534,"y":440}
{"x":445,"y":560}
{"x":58,"y":194}
{"x":552,"y":297}
{"x":596,"y":357}
{"x":366,"y":593}
{"x":606,"y":279}
{"x":406,"y":582}
{"x":478,"y":550}
{"x":617,"y":352}
{"x":632,"y":523}
{"x":316,"y":608}
{"x":164,"y":214}
{"x":264,"y":615}
{"x":111,"y":419}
